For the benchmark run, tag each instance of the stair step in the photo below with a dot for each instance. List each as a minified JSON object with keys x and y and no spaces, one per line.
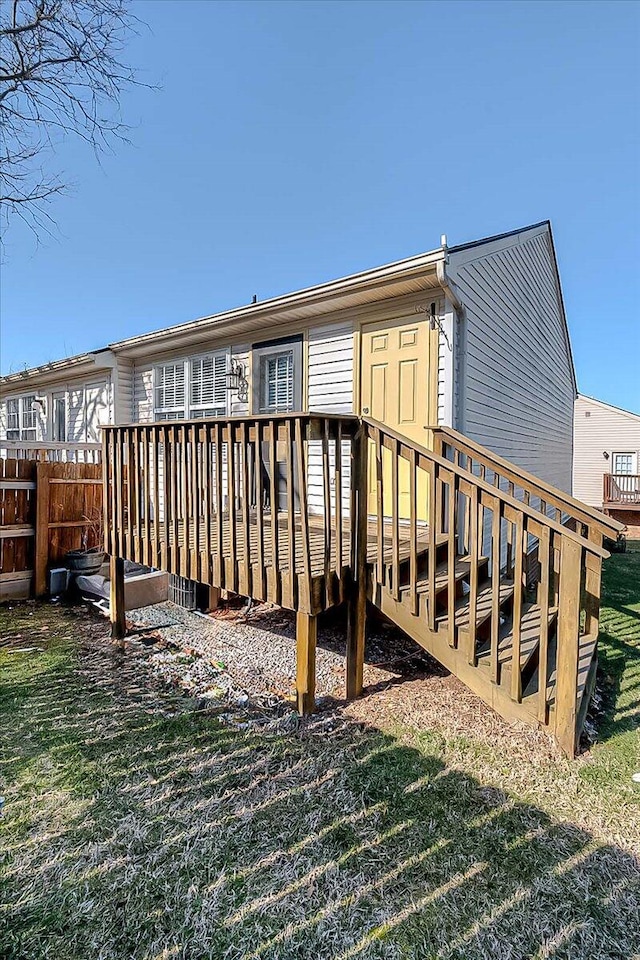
{"x":462,"y":572}
{"x":529,"y":636}
{"x":483,"y":606}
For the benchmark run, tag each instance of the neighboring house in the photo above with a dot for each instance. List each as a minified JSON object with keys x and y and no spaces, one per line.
{"x":472,"y":336}
{"x":606,"y":460}
{"x":64,"y":401}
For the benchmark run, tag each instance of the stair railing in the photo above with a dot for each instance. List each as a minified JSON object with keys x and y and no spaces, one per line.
{"x":457,"y":503}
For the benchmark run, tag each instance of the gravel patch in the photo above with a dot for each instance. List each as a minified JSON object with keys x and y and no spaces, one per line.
{"x":248,"y":658}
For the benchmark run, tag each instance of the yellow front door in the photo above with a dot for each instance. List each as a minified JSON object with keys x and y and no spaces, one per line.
{"x":396,"y":389}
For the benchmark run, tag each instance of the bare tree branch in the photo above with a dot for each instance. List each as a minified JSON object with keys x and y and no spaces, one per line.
{"x":61,"y":72}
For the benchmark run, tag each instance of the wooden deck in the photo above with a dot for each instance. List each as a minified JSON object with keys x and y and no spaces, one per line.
{"x":195,"y":498}
{"x":180,"y":545}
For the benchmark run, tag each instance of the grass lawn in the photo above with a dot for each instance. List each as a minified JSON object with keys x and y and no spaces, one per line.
{"x":137,"y":827}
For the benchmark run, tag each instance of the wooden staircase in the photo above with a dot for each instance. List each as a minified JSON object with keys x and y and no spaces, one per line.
{"x":507,"y":594}
{"x":494,"y":572}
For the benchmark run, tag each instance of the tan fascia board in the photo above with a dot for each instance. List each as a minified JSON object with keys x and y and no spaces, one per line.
{"x":288,"y":308}
{"x":58,"y":371}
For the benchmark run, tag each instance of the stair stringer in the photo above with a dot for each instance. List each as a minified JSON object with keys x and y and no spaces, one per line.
{"x":453,"y":659}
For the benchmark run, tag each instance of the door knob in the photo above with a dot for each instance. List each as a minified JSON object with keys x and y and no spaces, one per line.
{"x":365,"y":410}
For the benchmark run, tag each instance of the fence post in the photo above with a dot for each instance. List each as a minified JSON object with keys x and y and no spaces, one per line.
{"x":568,"y":645}
{"x":43,"y":472}
{"x":357,"y":605}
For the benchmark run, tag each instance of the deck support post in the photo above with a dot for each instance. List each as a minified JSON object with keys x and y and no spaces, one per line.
{"x":306,"y":636}
{"x":568,"y":646}
{"x":116,"y":605}
{"x":357,"y":602}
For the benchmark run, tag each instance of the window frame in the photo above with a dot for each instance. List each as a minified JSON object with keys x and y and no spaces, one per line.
{"x":269,"y":350}
{"x":624,"y":453}
{"x":25,"y":428}
{"x":186,"y":410}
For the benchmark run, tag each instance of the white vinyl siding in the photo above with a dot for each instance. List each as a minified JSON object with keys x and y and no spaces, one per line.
{"x":601,"y":431}
{"x":516,"y":389}
{"x":88,"y":408}
{"x":330,"y":386}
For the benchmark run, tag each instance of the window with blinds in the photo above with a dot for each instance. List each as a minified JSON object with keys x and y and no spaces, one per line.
{"x":277,"y":379}
{"x":208,"y":391}
{"x":195,"y":387}
{"x":170,"y":391}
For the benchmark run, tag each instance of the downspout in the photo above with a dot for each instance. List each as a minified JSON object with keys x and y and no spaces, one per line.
{"x":450,"y":291}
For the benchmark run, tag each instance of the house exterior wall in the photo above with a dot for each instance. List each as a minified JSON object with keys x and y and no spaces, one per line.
{"x":89,"y":403}
{"x":515,"y":389}
{"x":600,"y":428}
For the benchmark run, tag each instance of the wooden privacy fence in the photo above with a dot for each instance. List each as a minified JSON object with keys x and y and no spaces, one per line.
{"x":57,"y":451}
{"x":46,"y":509}
{"x":17,"y":527}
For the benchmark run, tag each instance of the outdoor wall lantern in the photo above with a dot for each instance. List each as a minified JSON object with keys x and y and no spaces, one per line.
{"x":237,"y":381}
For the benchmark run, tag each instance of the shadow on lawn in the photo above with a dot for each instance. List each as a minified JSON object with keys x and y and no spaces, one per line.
{"x":179,"y":838}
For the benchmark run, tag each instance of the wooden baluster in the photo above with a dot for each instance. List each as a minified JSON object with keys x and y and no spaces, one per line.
{"x":218,"y":562}
{"x":115,"y":535}
{"x":518,"y":584}
{"x":185,"y":548}
{"x":245,"y":582}
{"x":137,"y":503}
{"x":495,"y":588}
{"x":510,"y":530}
{"x":473,"y":576}
{"x":129,"y":457}
{"x":147,"y":460}
{"x":259,"y":510}
{"x":326,"y":504}
{"x":173,"y":480}
{"x":304,"y":594}
{"x":413,"y":534}
{"x":206,"y":547}
{"x":379,"y":508}
{"x":357,"y":606}
{"x":544,"y":556}
{"x":433,"y":545}
{"x":338,"y":504}
{"x":273,"y":493}
{"x":231,"y":498}
{"x":483,"y":474}
{"x":291,"y":514}
{"x":451,"y":557}
{"x":568,"y":645}
{"x":164,"y":550}
{"x":153,"y":493}
{"x":196,"y":490}
{"x":592,"y":586}
{"x":395,"y":532}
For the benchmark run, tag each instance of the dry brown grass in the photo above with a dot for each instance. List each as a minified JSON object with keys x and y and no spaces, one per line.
{"x":137,"y":827}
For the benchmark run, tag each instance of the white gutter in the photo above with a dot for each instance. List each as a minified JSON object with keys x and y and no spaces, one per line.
{"x":447,"y":284}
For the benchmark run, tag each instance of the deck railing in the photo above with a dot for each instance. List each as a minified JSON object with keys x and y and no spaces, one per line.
{"x":621,"y":490}
{"x":464,"y":498}
{"x":305,"y":510}
{"x":51,"y":451}
{"x":256,"y":505}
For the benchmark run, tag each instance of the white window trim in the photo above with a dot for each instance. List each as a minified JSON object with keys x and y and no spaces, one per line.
{"x":624,"y":453}
{"x":21,"y":428}
{"x":158,"y":412}
{"x":261,"y":353}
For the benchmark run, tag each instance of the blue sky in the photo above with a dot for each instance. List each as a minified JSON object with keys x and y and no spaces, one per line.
{"x":290,"y":143}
